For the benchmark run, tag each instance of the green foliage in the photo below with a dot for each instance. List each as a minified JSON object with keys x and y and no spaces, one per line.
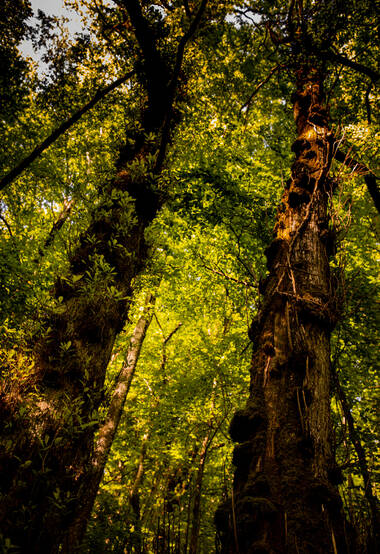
{"x":13,"y":68}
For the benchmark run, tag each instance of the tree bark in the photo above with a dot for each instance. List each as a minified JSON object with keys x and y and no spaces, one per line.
{"x":285,"y":498}
{"x":74,"y":534}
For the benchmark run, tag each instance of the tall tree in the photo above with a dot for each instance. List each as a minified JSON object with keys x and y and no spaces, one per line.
{"x":49,"y":425}
{"x":227,"y":162}
{"x":285,"y":496}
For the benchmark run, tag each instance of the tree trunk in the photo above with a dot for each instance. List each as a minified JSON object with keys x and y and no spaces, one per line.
{"x":285,"y":497}
{"x":71,"y":361}
{"x":134,"y":496}
{"x":206,"y":443}
{"x":373,"y":542}
{"x":197,"y":495}
{"x":74,"y":534}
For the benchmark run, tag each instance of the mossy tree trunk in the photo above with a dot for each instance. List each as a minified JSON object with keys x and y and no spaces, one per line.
{"x":285,"y":496}
{"x":54,"y":434}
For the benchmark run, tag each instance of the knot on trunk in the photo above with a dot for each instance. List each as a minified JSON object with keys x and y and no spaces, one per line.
{"x":319,"y":310}
{"x":247,"y":422}
{"x":318,"y":116}
{"x":299,"y":145}
{"x":273,"y":250}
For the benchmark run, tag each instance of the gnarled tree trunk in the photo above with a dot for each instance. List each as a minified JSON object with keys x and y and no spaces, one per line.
{"x":285,"y":497}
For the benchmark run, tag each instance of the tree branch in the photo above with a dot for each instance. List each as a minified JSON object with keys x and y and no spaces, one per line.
{"x":164,"y":343}
{"x":57,"y":225}
{"x":223,"y":274}
{"x":16,"y":171}
{"x":369,"y":177}
{"x":367,"y":103}
{"x":374,"y":75}
{"x":187,"y":8}
{"x":174,"y":80}
{"x":7,"y":225}
{"x":263,"y":82}
{"x":167,"y":339}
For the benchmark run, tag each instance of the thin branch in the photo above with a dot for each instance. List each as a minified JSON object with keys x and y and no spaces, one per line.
{"x":260,"y":85}
{"x":176,"y":328}
{"x":62,"y":217}
{"x":158,"y":323}
{"x":7,"y":225}
{"x":164,"y":343}
{"x":369,"y":177}
{"x":57,"y":225}
{"x":187,"y":8}
{"x":11,"y":235}
{"x":367,"y":103}
{"x":244,"y":15}
{"x":245,"y":347}
{"x":165,"y":340}
{"x":16,"y":171}
{"x":238,"y":256}
{"x":222,"y":274}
